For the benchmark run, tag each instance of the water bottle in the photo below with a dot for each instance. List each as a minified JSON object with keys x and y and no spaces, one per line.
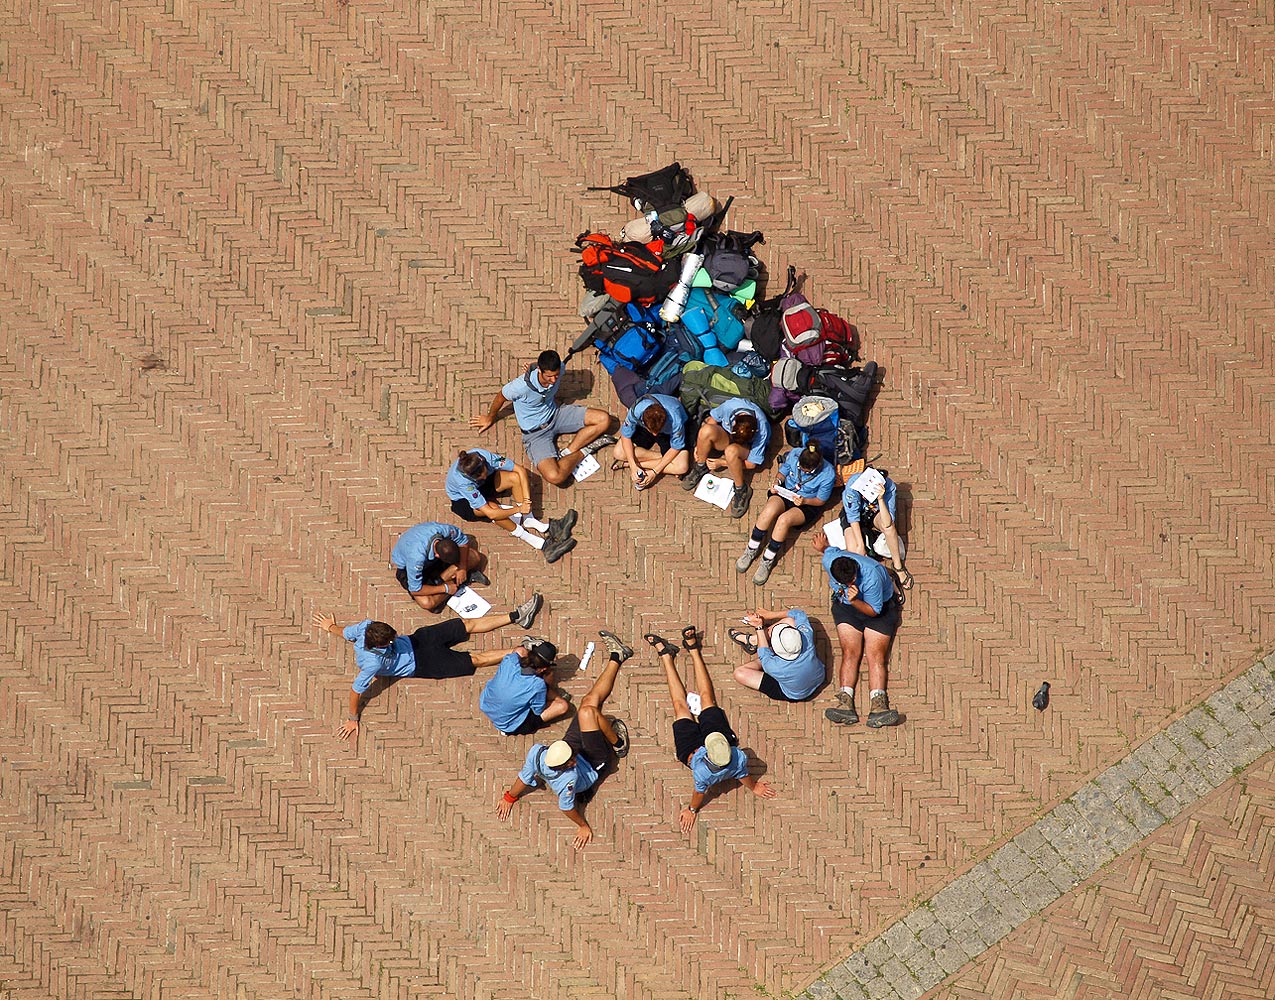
{"x":671,"y":310}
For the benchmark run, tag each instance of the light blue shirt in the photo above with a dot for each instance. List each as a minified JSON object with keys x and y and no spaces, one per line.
{"x":534,"y":405}
{"x":415,"y":547}
{"x":675,"y":427}
{"x":799,"y":677}
{"x":706,"y":776}
{"x":459,"y":487}
{"x":725,"y":413}
{"x":815,"y":485}
{"x":510,"y":696}
{"x":874,"y":583}
{"x":568,"y":783}
{"x":396,"y":661}
{"x":853,"y":503}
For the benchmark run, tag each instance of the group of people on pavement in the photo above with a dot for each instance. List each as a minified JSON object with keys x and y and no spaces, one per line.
{"x":434,"y":562}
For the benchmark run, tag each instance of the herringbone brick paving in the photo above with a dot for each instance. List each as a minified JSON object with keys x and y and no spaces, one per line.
{"x":259,"y":262}
{"x":1188,"y":914}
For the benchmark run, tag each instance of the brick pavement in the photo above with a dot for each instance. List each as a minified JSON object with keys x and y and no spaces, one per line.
{"x":258,"y":262}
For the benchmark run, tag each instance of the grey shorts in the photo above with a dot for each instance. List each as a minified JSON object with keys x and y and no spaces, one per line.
{"x":542,"y":444}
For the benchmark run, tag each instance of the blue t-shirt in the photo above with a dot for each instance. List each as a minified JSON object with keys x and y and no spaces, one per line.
{"x":415,"y":547}
{"x":811,"y":485}
{"x":511,"y":695}
{"x":396,"y":661}
{"x":568,"y":782}
{"x":725,"y":413}
{"x":706,"y":776}
{"x":674,"y":427}
{"x":534,"y":405}
{"x":874,"y":583}
{"x":460,"y":487}
{"x":799,"y":677}
{"x":853,"y":503}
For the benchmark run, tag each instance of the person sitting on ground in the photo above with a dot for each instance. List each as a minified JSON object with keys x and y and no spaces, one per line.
{"x":739,"y":431}
{"x":809,"y":477}
{"x":478,"y":476}
{"x":542,"y":420}
{"x":573,"y":765}
{"x":868,"y":505}
{"x":516,"y":699}
{"x":433,"y":561}
{"x":706,"y":745}
{"x":865,"y":607}
{"x":653,"y":440}
{"x":786,"y":665}
{"x":379,"y":650}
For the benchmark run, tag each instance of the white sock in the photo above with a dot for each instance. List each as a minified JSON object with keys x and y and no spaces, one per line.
{"x":530,"y":522}
{"x":874,"y":693}
{"x":753,"y":545}
{"x":517,"y":518}
{"x":535,"y":541}
{"x":849,"y":691}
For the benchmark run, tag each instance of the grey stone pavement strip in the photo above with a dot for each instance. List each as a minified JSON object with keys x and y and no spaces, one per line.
{"x":1103,"y":819}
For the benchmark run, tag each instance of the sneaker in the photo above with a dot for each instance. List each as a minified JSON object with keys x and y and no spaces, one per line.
{"x":845,"y":713}
{"x":763,"y":571}
{"x":525,"y":613}
{"x":595,"y":446}
{"x":479,"y":578}
{"x":559,"y":547}
{"x":739,"y":503}
{"x":560,"y":527}
{"x":881,"y":714}
{"x":692,"y":478}
{"x":614,"y":645}
{"x":621,"y":745}
{"x":747,"y":559}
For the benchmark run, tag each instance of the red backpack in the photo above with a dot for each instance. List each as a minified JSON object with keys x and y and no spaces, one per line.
{"x":628,"y":272}
{"x":839,"y":339}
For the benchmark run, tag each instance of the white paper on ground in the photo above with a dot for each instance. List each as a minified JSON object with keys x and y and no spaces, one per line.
{"x":587,"y":467}
{"x":716,"y":491}
{"x":588,"y":655}
{"x":835,"y":533}
{"x":468,"y":604}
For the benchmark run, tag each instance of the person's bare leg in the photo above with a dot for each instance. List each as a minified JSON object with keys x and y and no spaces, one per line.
{"x":596,"y":423}
{"x":770,"y":514}
{"x":877,"y":653}
{"x":851,"y":653}
{"x":712,"y":437}
{"x":490,"y":657}
{"x":556,"y":709}
{"x":487,"y":623}
{"x":680,"y":465}
{"x":676,"y":689}
{"x":557,"y":471}
{"x":885,"y":524}
{"x":788,"y":522}
{"x":750,"y":674}
{"x":734,"y":456}
{"x":432,"y":603}
{"x":703,"y":683}
{"x":590,"y":714}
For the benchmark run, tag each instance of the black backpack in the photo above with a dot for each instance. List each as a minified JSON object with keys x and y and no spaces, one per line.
{"x":727,"y":257}
{"x":658,"y":190}
{"x":851,"y":388}
{"x":767,"y":332}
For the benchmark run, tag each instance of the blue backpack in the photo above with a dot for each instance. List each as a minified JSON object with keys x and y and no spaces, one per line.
{"x":706,"y":311}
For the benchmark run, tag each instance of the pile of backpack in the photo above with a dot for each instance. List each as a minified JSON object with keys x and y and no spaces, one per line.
{"x":671,"y":306}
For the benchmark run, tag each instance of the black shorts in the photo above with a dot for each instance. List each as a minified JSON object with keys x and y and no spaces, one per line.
{"x":465,"y":512}
{"x":432,"y":648}
{"x":430,"y":577}
{"x":771,"y":689}
{"x":688,"y":734}
{"x":887,"y":622}
{"x":642,"y":438}
{"x":528,"y":725}
{"x":811,"y":512}
{"x":592,"y":746}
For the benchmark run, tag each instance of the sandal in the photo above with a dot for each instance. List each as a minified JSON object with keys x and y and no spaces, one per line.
{"x":745,"y":639}
{"x":690,"y":637}
{"x":661,"y":645}
{"x":619,"y":464}
{"x":905,"y":578}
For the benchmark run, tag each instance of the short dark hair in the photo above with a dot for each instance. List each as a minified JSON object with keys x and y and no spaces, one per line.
{"x":447,"y":551}
{"x":844,"y":570}
{"x":654,"y":417}
{"x":378,"y":635}
{"x":549,"y":361}
{"x":744,"y":428}
{"x":811,"y":458}
{"x":471,"y":464}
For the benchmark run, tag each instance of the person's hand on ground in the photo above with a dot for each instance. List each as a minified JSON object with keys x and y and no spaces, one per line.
{"x":482,"y":423}
{"x":583,"y":836}
{"x":324,"y":622}
{"x":504,"y":807}
{"x":687,"y":819}
{"x":820,"y":541}
{"x":349,"y":733}
{"x":764,"y":790}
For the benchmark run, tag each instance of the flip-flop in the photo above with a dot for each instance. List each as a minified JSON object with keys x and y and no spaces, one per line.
{"x":660,"y":644}
{"x":690,"y":637}
{"x":745,"y":639}
{"x":617,"y":465}
{"x":905,"y":579}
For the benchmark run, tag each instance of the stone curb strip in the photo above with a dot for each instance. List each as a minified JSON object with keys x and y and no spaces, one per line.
{"x":1102,"y":820}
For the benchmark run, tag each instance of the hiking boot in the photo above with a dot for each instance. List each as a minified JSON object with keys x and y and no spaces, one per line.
{"x":845,"y":713}
{"x":525,"y":613}
{"x":739,"y":503}
{"x":881,"y":714}
{"x":747,"y":559}
{"x":621,"y":744}
{"x":560,"y":527}
{"x":555,"y":550}
{"x":692,"y":478}
{"x":763,"y":571}
{"x":479,"y":578}
{"x":595,"y":446}
{"x":614,"y":645}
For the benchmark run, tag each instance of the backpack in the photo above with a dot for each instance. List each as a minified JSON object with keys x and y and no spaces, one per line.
{"x":626,"y":271}
{"x":706,"y":311}
{"x":814,"y":418}
{"x":839,"y":340}
{"x":767,"y":333}
{"x":660,"y":189}
{"x":728,"y":260}
{"x":706,"y":386}
{"x":851,"y":388}
{"x":802,"y":326}
{"x":622,"y":339}
{"x":790,"y":380}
